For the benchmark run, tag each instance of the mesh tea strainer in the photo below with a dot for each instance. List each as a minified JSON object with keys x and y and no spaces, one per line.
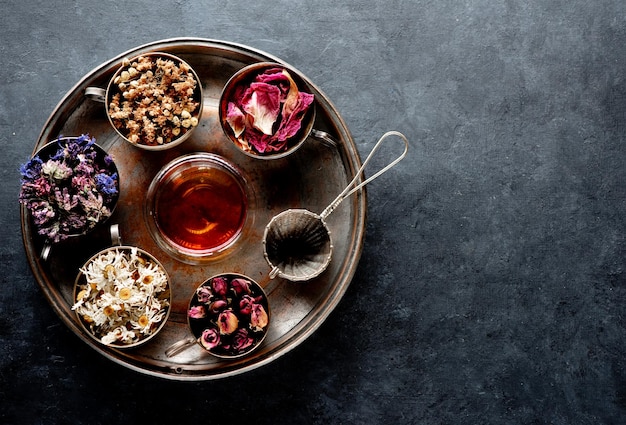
{"x":297,"y":243}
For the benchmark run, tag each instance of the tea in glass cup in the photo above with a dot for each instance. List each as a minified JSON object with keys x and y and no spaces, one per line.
{"x":197,"y":206}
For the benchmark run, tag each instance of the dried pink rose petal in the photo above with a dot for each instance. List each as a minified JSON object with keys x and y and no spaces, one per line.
{"x":268,"y":112}
{"x":236,"y":119}
{"x":262,"y":103}
{"x":292,"y":121}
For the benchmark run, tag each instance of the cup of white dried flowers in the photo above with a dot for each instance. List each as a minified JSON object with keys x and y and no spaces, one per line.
{"x":122,"y":296}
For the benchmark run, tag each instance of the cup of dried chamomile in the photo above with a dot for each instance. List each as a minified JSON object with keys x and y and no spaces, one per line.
{"x":122,"y":296}
{"x":153,"y":101}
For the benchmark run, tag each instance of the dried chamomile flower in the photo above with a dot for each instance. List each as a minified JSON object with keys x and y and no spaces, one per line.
{"x":124,"y":297}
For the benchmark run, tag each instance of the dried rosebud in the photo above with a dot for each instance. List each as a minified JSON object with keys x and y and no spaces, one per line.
{"x":258,"y":318}
{"x":204,"y":294}
{"x":210,"y":339}
{"x":241,"y":340}
{"x":217,"y":306}
{"x":240,"y":286}
{"x":197,"y":312}
{"x":220,"y":286}
{"x":245,"y":304}
{"x":227,"y":322}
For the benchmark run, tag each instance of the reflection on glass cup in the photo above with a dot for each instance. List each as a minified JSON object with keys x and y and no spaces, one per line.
{"x":197,"y":206}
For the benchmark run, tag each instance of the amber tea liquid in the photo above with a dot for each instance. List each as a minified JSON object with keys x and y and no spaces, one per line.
{"x":201,"y":209}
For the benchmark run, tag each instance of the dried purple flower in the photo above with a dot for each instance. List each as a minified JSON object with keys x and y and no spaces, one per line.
{"x":69,"y":190}
{"x":107,"y":185}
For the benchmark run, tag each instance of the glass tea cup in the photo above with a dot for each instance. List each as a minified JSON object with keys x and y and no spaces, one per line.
{"x":197,"y":207}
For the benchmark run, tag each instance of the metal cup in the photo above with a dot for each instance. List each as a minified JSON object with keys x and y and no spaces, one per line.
{"x":243,"y":78}
{"x":106,"y":96}
{"x":228,"y":316}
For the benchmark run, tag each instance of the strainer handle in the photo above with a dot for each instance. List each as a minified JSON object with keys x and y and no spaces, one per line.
{"x":349,"y":190}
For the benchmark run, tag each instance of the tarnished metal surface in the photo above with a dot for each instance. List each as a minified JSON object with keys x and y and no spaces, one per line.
{"x":310,"y":178}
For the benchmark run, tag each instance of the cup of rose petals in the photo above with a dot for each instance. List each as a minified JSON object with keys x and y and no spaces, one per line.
{"x":228,"y":316}
{"x":153,"y":101}
{"x":70,"y":186}
{"x":122,"y":296}
{"x":267,"y":110}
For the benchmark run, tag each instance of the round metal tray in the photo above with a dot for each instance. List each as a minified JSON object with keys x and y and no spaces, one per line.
{"x":310,"y":178}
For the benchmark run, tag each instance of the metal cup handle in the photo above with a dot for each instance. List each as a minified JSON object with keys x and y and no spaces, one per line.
{"x":114,"y":232}
{"x":96,"y":93}
{"x":180,"y":346}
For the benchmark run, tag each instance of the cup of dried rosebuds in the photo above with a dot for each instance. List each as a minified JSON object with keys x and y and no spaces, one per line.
{"x":153,"y":101}
{"x":228,"y":316}
{"x":267,"y":110}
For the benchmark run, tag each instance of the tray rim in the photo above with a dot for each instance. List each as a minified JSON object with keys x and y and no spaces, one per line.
{"x":162,"y":369}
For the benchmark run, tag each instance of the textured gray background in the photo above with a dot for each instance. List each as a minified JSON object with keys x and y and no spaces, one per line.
{"x":492,"y":285}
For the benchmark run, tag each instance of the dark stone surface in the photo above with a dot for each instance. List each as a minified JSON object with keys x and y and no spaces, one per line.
{"x":492,"y":287}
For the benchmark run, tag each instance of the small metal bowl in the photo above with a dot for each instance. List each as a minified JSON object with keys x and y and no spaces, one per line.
{"x":122,"y":297}
{"x":170,"y":134}
{"x":105,"y":163}
{"x":228,"y":316}
{"x":238,"y":84}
